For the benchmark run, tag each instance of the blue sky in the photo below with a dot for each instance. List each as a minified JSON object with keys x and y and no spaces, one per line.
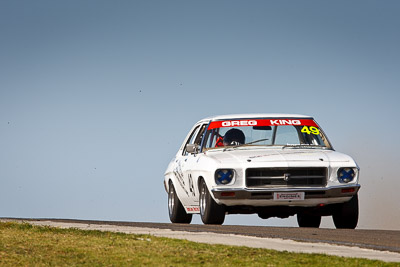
{"x":97,"y":96}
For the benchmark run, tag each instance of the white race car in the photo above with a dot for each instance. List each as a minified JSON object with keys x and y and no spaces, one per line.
{"x":275,"y":165}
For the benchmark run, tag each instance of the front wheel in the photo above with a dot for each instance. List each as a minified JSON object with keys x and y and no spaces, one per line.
{"x":345,"y":215}
{"x":177,"y":213}
{"x":306,"y":220}
{"x":210,"y":211}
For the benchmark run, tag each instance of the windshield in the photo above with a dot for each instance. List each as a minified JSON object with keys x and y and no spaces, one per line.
{"x":265,"y":132}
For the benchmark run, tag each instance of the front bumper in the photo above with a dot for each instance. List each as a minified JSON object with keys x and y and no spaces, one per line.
{"x":265,"y":197}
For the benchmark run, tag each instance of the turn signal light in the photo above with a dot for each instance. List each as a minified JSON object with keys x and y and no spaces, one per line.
{"x":348,"y":190}
{"x":227,"y":194}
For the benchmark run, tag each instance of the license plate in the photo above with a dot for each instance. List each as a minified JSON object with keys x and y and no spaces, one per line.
{"x":284,"y":196}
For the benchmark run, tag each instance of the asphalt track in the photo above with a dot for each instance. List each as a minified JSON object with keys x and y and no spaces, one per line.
{"x":383,"y":240}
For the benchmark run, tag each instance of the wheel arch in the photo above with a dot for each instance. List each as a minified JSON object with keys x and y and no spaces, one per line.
{"x":199,"y":181}
{"x":168,"y":184}
{"x":209,"y":187}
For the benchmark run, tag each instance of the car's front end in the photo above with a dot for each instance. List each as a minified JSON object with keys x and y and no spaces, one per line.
{"x":284,"y":177}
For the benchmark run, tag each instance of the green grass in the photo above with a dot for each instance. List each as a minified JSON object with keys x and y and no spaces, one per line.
{"x":27,"y":245}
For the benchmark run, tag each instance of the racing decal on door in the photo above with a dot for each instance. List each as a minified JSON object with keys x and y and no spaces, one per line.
{"x":179,"y":176}
{"x":191,"y":185}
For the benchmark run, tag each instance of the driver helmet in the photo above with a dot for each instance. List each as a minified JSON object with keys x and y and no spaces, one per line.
{"x":234,"y":137}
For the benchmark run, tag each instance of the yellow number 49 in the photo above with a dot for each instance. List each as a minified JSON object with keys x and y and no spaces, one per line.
{"x":310,"y":130}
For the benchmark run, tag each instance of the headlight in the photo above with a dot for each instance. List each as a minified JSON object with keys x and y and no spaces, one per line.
{"x":346,"y":175}
{"x":224,"y":176}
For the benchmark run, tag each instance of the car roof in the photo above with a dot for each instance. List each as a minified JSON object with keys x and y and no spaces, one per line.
{"x":254,"y":116}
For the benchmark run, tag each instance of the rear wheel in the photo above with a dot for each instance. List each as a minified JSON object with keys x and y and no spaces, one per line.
{"x":345,"y":215}
{"x":210,"y":211}
{"x":177,"y":213}
{"x":307,"y":220}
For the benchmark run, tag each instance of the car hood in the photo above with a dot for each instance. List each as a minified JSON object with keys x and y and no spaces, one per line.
{"x":278,"y":155}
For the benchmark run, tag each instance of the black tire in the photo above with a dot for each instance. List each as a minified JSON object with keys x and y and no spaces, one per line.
{"x":177,"y":213}
{"x":210,"y":211}
{"x":307,"y":220}
{"x":345,"y":215}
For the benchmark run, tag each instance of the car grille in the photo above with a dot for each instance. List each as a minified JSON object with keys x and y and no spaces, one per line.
{"x":285,"y":177}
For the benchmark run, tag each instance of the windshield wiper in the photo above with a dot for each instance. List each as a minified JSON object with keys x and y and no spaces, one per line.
{"x":260,"y":140}
{"x":302,"y":146}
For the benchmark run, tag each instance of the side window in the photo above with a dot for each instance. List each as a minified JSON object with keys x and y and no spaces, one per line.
{"x":191,"y":139}
{"x":196,"y":137}
{"x":313,"y":139}
{"x":200,"y":135}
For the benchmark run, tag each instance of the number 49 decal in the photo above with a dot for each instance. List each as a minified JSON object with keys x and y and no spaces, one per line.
{"x":310,"y":130}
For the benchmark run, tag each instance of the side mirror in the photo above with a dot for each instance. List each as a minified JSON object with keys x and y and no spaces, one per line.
{"x":191,"y":148}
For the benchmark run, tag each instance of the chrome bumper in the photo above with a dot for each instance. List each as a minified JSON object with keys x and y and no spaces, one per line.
{"x":268,"y":193}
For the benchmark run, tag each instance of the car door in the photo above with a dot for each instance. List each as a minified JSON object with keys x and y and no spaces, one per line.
{"x":184,"y":185}
{"x":191,"y":165}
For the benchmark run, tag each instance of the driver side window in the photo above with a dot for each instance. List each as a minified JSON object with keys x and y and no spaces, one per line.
{"x":191,"y":139}
{"x":196,"y":137}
